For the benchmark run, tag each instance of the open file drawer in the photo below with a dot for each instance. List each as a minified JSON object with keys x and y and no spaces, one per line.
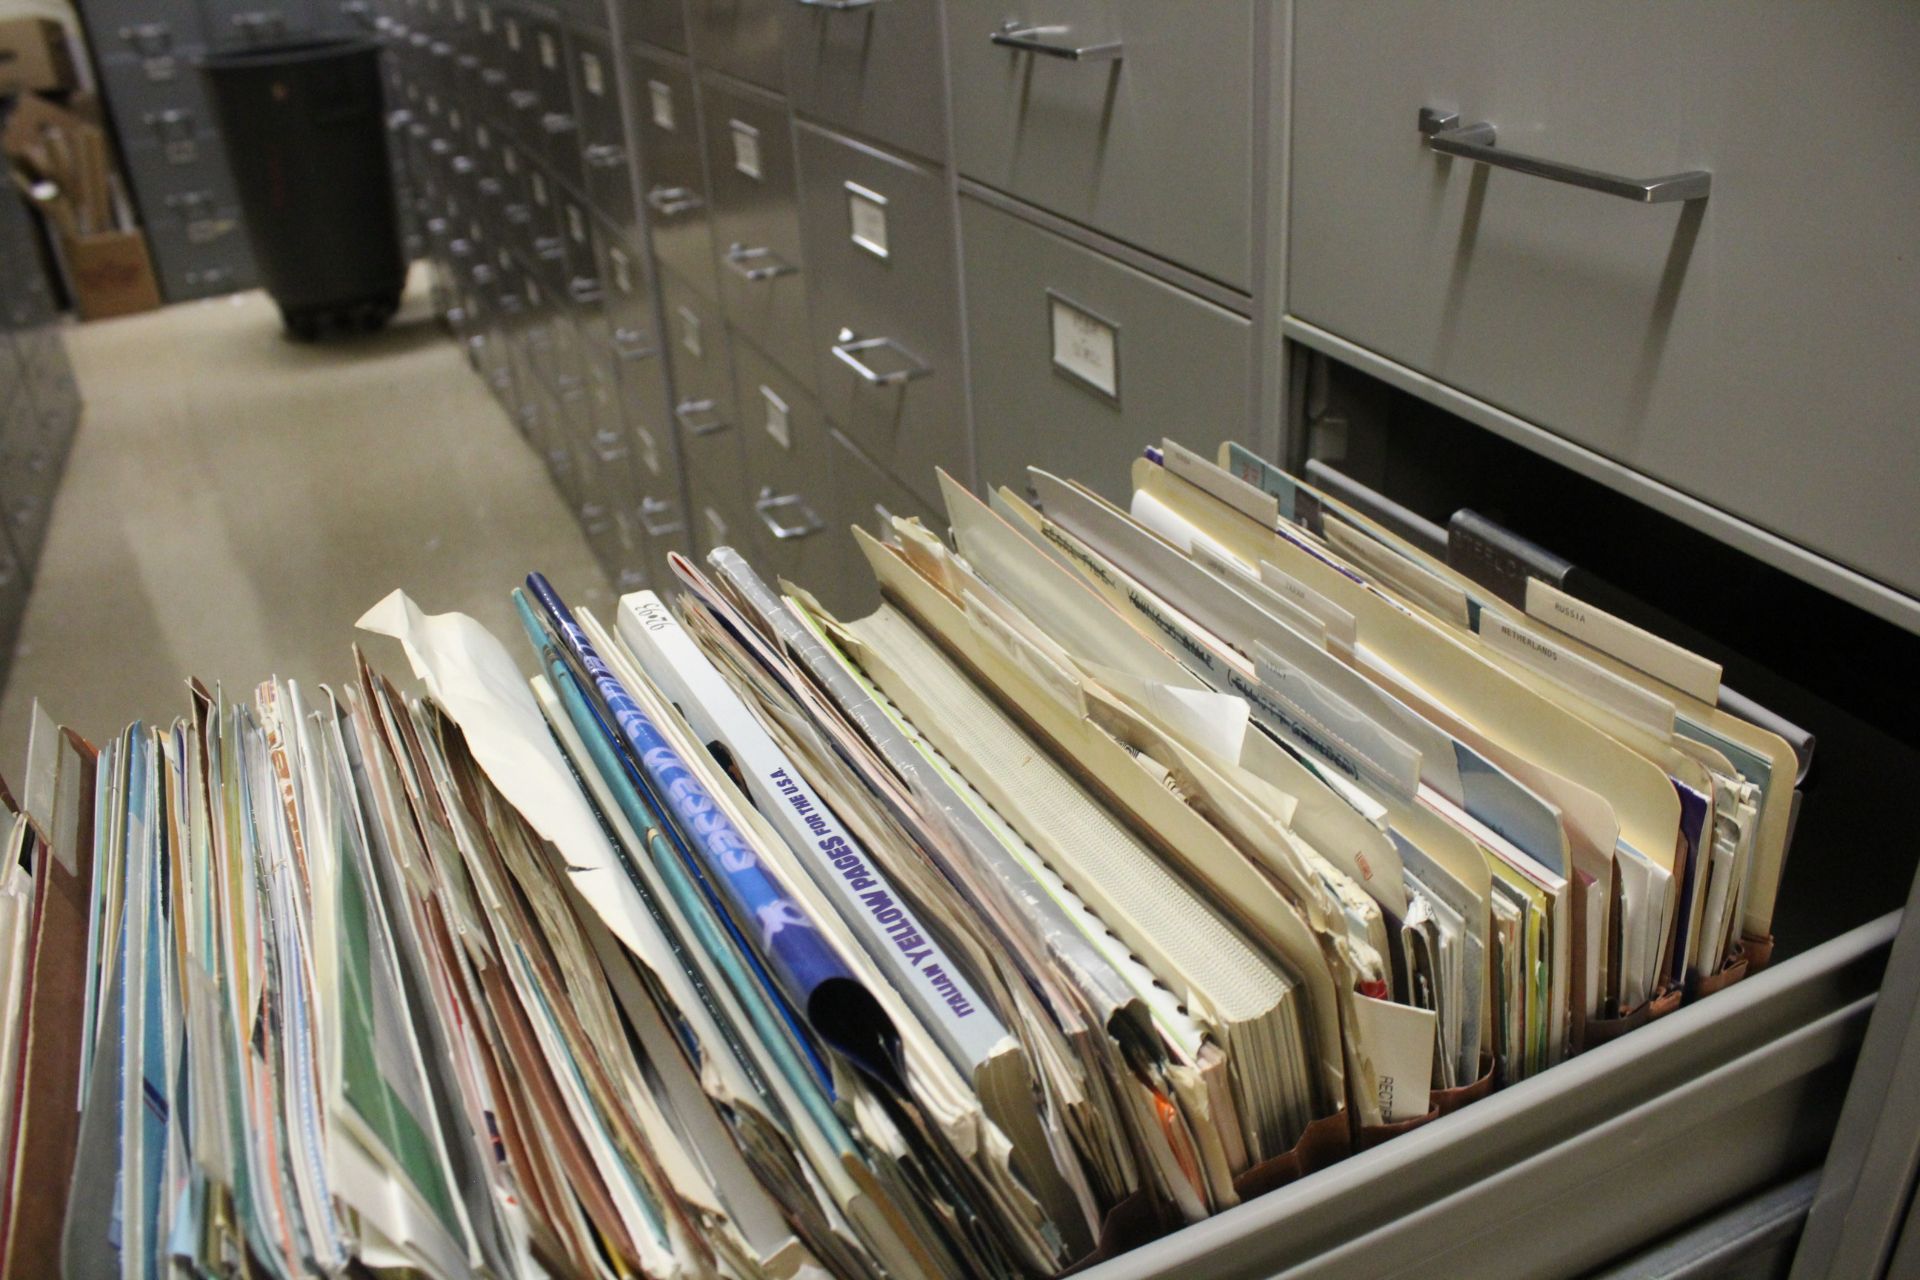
{"x":1580,"y":1164}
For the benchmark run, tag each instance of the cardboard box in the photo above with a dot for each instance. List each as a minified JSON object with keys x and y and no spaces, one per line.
{"x":111,"y":273}
{"x":34,"y":55}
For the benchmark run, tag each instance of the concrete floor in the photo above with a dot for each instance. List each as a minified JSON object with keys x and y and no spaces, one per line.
{"x":235,"y":501}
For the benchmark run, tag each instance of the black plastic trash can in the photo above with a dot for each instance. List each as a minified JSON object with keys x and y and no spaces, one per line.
{"x":306,"y":138}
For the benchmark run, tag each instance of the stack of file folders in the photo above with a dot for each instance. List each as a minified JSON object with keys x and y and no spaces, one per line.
{"x":1126,"y":863}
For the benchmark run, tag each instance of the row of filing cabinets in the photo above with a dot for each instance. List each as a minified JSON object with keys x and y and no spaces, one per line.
{"x":39,"y":409}
{"x":851,"y":283}
{"x":147,"y":53}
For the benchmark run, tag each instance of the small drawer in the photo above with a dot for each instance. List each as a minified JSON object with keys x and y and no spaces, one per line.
{"x":874,"y":71}
{"x":626,"y":291}
{"x":666,"y":127}
{"x":739,"y":37}
{"x":699,"y":356}
{"x":163,"y":30}
{"x":643,"y":401}
{"x":662,"y":23}
{"x":1747,"y":343}
{"x":784,"y":444}
{"x":196,"y":242}
{"x":136,"y":86}
{"x":238,"y":23}
{"x":172,"y":140}
{"x":722,"y":514}
{"x":606,"y":166}
{"x":885,"y":305}
{"x":1079,"y":360}
{"x":1109,"y":114}
{"x":756,"y":223}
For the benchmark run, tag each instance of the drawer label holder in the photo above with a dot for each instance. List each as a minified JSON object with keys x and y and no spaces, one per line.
{"x":1086,"y":347}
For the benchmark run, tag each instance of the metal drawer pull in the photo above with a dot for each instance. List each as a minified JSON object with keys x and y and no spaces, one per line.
{"x":757,"y":264}
{"x":698,"y":417}
{"x":631,"y":344}
{"x":768,"y":506}
{"x":670,"y":201}
{"x":849,"y":352}
{"x":651,"y":510}
{"x":493,"y":76}
{"x":557,"y":122}
{"x":1015,"y":34}
{"x":1446,"y":135}
{"x":523,"y":99}
{"x":585,"y":290}
{"x":604,"y":155}
{"x":836,"y":6}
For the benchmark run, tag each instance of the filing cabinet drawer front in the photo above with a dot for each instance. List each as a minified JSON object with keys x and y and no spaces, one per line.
{"x":627,"y":294}
{"x":739,"y":37}
{"x":238,"y":23}
{"x":865,"y":495}
{"x":722,"y":515}
{"x":1078,"y":360}
{"x":1751,"y":349}
{"x":756,"y":224}
{"x":1154,"y":147}
{"x":186,"y":250}
{"x":705,"y":421}
{"x":666,"y":123}
{"x":602,"y":127}
{"x":643,"y":397}
{"x":885,"y":303}
{"x":156,"y":29}
{"x":136,"y":86}
{"x":789,"y":467}
{"x":662,"y":23}
{"x":873,"y":71}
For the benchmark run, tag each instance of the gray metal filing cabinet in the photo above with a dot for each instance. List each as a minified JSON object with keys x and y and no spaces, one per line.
{"x":745,"y":271}
{"x":146,"y":53}
{"x":39,"y":410}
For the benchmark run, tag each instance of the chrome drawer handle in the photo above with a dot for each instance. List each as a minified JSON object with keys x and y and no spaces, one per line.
{"x":848,"y":352}
{"x":604,"y":155}
{"x":757,"y":264}
{"x":584,"y":289}
{"x":1015,"y":34}
{"x":698,"y":417}
{"x":769,"y":506}
{"x":671,"y":201}
{"x":1447,"y":136}
{"x":557,"y":122}
{"x":836,"y":6}
{"x":651,"y":509}
{"x":494,"y":77}
{"x":522,"y":99}
{"x":631,"y":344}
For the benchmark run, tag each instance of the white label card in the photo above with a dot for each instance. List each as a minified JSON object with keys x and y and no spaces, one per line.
{"x":746,"y":148}
{"x":1642,"y":650}
{"x":690,"y":332}
{"x":622,"y":271}
{"x":539,"y":190}
{"x":591,"y":76}
{"x":1085,"y":347}
{"x":777,"y":424}
{"x":486,"y":19}
{"x":513,"y":35}
{"x":867,"y":219}
{"x":549,"y":52}
{"x":661,"y":96}
{"x":577,"y":224}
